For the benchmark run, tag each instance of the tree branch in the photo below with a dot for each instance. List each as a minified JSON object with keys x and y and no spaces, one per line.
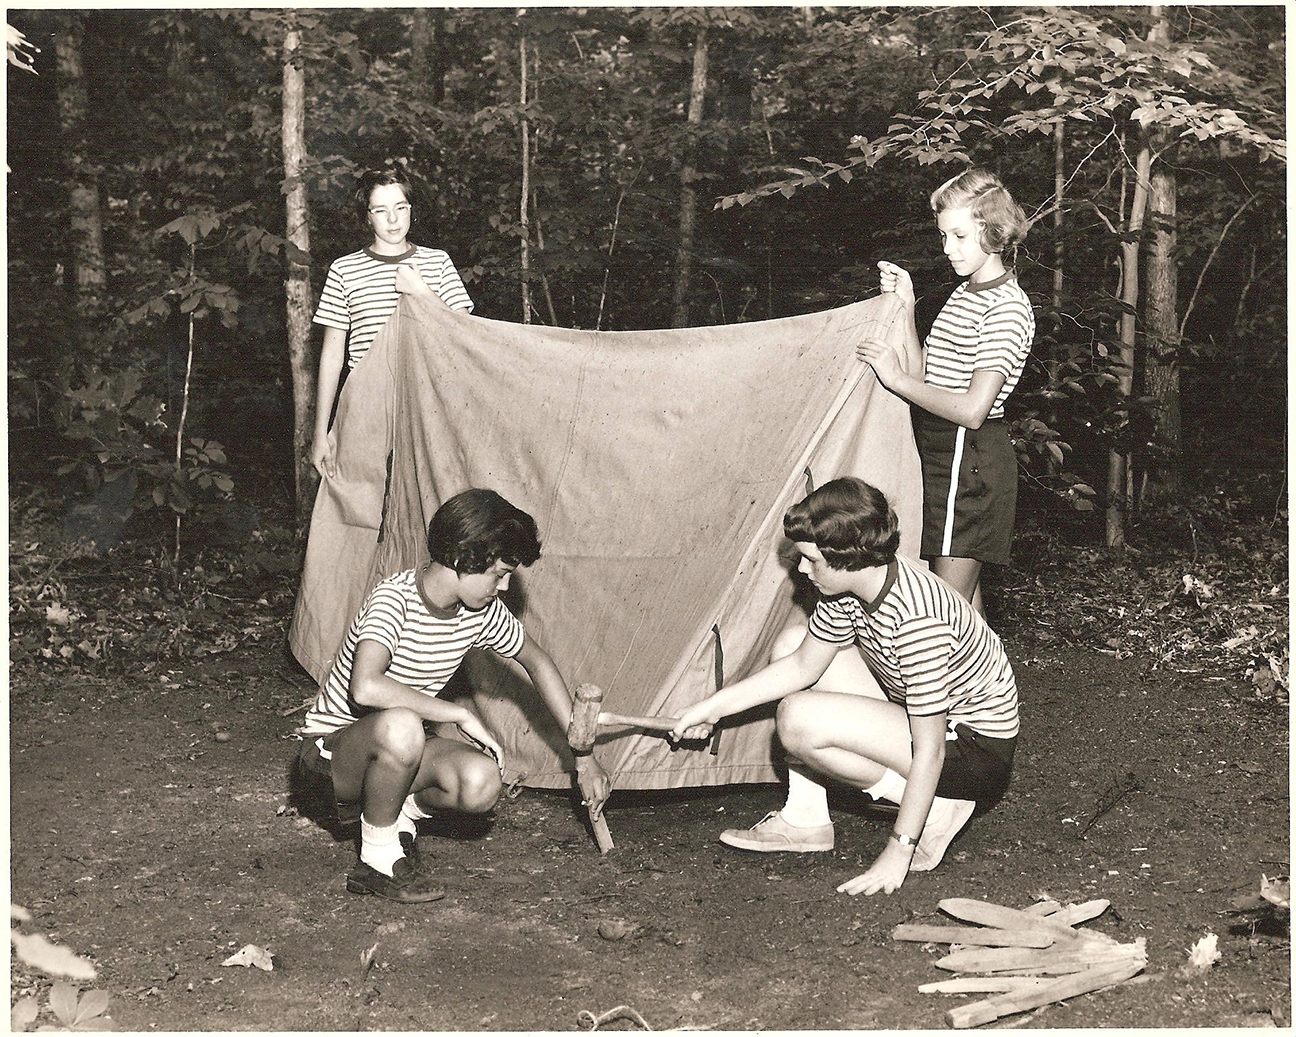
{"x":1209,"y":259}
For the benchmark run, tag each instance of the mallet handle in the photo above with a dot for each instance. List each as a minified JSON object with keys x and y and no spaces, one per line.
{"x":647,"y":723}
{"x":601,"y":834}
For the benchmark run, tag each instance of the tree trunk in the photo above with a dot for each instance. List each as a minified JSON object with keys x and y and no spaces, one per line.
{"x":1118,"y":496}
{"x":688,"y":196}
{"x":86,"y":219}
{"x":1161,"y":360}
{"x":437,"y":61}
{"x":297,"y":283}
{"x":1052,"y":362}
{"x":523,"y":214}
{"x":420,"y":40}
{"x":1059,"y":190}
{"x":535,"y":202}
{"x":427,"y":50}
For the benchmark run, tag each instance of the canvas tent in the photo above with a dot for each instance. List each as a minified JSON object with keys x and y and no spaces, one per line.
{"x":658,"y":466}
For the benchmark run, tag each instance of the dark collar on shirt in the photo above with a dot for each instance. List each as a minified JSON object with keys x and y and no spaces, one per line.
{"x":872,"y":606}
{"x":390,"y":259}
{"x":985,"y":286}
{"x":436,"y":610}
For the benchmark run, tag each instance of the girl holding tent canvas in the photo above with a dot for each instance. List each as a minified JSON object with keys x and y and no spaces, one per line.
{"x":974,"y":356}
{"x":364,"y":288}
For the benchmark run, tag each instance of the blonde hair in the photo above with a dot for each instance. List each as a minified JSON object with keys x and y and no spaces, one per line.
{"x":1003,"y":223}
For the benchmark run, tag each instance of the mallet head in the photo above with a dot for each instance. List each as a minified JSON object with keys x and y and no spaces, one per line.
{"x":583,"y":727}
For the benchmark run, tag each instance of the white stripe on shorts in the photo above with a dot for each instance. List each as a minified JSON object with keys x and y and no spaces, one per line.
{"x":948,"y":536}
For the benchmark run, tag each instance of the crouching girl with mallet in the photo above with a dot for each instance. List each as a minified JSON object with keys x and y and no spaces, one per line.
{"x":942,"y":739}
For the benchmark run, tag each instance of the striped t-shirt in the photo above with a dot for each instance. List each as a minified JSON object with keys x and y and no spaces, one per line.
{"x":360,"y":292}
{"x":928,"y":648}
{"x":984,"y":327}
{"x":425,"y":649}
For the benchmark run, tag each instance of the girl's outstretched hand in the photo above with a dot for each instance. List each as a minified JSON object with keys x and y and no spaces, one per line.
{"x":887,"y":874}
{"x":896,"y":279}
{"x":695,"y":722}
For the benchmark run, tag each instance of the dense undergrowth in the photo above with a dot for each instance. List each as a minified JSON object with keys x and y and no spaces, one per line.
{"x":133,"y":608}
{"x":1200,"y":587}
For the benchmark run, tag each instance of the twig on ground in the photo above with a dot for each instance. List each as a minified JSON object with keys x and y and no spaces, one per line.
{"x":589,"y":1021}
{"x":1111,"y":797}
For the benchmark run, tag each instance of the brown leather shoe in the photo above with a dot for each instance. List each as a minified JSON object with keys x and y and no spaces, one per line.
{"x":405,"y":885}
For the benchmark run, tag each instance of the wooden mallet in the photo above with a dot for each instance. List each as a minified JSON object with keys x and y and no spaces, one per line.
{"x":586,"y":719}
{"x":581,"y":730}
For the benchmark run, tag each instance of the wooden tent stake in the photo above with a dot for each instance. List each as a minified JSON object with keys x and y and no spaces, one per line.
{"x":964,"y":935}
{"x":1015,"y":1001}
{"x":1003,"y":959}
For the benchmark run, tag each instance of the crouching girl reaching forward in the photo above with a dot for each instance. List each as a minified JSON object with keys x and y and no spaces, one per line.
{"x":940,"y":742}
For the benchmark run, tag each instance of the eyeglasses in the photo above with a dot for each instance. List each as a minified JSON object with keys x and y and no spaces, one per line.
{"x":403,"y":209}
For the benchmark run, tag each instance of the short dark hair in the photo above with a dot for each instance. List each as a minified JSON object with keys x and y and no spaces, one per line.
{"x":372,"y":179}
{"x":850,"y":522}
{"x":473,"y":530}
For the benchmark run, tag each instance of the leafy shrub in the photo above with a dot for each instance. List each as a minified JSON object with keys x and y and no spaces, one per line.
{"x":72,"y":1009}
{"x":116,"y":431}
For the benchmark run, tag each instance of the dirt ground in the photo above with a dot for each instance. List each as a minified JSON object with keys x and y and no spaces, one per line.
{"x":142,"y":842}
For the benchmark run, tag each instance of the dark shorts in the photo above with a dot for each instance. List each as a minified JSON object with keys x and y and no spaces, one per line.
{"x":976,"y":766}
{"x":969,"y":488}
{"x":313,"y":760}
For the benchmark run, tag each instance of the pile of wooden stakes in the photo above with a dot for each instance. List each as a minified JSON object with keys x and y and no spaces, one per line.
{"x":1025,"y":958}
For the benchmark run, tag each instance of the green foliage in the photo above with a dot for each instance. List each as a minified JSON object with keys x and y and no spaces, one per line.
{"x":116,"y":431}
{"x":38,"y":952}
{"x":111,"y":420}
{"x":20,"y":51}
{"x":1021,"y":79}
{"x":72,"y":1010}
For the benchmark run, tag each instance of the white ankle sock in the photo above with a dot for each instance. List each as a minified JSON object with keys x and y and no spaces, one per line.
{"x":410,"y":814}
{"x":380,"y":846}
{"x":807,"y":801}
{"x":890,"y":787}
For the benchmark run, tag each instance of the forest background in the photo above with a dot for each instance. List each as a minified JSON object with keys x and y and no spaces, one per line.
{"x":178,"y":182}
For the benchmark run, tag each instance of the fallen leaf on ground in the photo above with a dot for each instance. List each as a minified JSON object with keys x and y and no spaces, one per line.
{"x":1205,"y":952}
{"x":1277,"y":893}
{"x":252,"y":955}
